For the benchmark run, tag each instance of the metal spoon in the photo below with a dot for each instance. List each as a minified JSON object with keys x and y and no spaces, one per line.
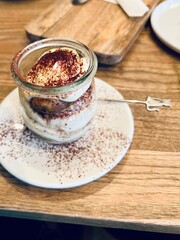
{"x":152,"y":103}
{"x":76,"y":2}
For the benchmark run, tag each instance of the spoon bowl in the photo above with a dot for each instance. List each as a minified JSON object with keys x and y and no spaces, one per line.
{"x":78,"y":2}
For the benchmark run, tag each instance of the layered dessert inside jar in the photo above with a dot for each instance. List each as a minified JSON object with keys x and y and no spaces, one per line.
{"x":63,"y":108}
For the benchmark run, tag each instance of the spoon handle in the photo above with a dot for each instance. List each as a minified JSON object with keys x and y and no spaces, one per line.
{"x":152,"y":103}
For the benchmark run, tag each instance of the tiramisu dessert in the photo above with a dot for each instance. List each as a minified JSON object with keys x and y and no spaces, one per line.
{"x":59,"y":102}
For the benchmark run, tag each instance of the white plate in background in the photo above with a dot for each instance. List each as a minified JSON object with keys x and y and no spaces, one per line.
{"x":165,"y":21}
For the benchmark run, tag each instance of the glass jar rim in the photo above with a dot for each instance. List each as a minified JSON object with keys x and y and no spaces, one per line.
{"x":54,"y":42}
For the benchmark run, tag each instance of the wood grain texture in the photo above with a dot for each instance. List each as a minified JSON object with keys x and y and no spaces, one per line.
{"x":103,"y":26}
{"x":143,"y":191}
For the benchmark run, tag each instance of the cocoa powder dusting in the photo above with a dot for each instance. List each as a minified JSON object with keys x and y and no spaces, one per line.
{"x":98,"y":149}
{"x":58,"y":68}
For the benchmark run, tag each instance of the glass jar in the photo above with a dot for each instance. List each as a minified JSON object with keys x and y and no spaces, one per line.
{"x":58,"y":114}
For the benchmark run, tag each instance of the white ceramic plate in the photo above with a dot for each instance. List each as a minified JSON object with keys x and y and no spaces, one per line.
{"x":38,"y":163}
{"x":165,"y":21}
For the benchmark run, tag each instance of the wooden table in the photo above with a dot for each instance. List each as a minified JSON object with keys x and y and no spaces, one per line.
{"x":143,"y":191}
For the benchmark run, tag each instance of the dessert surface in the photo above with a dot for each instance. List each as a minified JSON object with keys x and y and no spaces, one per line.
{"x":57,"y":67}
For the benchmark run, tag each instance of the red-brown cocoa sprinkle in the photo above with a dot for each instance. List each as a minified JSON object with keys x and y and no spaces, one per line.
{"x":97,"y":150}
{"x":58,"y":68}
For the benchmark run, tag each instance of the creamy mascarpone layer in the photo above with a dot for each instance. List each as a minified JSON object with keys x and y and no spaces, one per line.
{"x":70,"y":123}
{"x":58,"y":129}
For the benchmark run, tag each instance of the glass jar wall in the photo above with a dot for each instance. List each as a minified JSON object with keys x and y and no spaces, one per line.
{"x":57,"y":95}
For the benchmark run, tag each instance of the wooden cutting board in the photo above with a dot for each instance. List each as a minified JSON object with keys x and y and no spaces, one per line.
{"x":102,"y":26}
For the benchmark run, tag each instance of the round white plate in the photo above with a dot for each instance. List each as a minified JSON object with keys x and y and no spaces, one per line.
{"x":38,"y":163}
{"x":165,"y":21}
